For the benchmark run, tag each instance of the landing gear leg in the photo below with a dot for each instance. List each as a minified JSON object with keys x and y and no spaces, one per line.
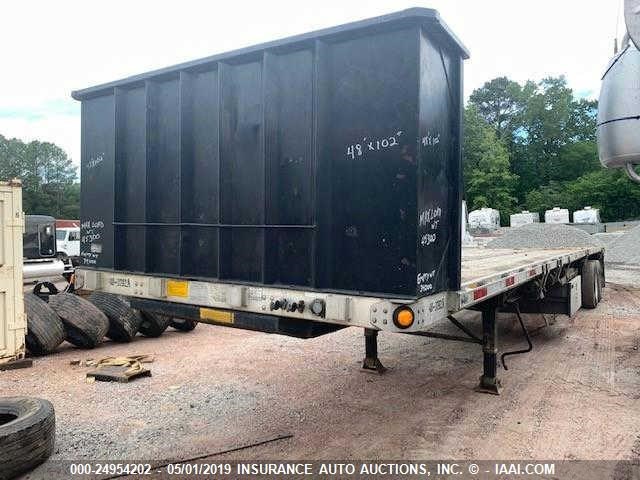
{"x":489,"y":382}
{"x":371,"y":360}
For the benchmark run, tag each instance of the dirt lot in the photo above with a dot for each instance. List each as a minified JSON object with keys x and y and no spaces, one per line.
{"x":577,"y":396}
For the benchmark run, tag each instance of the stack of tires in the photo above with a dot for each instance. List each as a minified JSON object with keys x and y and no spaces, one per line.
{"x":85,"y":323}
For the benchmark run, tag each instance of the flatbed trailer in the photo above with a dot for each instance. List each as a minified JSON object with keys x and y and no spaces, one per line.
{"x":305,"y":185}
{"x":522,"y":281}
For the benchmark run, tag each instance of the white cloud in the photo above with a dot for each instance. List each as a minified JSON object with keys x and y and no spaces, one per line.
{"x":63,"y":130}
{"x":76,"y":44}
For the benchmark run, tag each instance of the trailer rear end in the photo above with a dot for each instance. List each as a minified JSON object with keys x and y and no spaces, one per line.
{"x":301,"y":186}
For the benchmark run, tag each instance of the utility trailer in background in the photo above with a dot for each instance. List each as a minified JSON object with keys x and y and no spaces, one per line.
{"x":302,"y":186}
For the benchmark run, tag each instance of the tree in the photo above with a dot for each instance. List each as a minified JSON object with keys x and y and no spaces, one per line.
{"x":488,"y":179}
{"x":48,"y":176}
{"x":500,"y":102}
{"x":575,"y":160}
{"x":549,"y":134}
{"x":609,"y":190}
{"x":546,"y":197}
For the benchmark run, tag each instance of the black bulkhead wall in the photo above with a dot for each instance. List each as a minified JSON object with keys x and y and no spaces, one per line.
{"x":131,"y":179}
{"x":371,"y":131}
{"x":200,"y":162}
{"x":288,"y":93}
{"x":96,"y":190}
{"x":242,"y":172}
{"x":163,"y":177}
{"x":438,"y":175}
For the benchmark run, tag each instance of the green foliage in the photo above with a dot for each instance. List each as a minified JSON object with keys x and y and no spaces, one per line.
{"x":488,"y":179}
{"x":48,"y":177}
{"x":549,"y":133}
{"x":610,"y":191}
{"x":617,"y":197}
{"x":547,"y":197}
{"x":550,"y":137}
{"x":500,"y":103}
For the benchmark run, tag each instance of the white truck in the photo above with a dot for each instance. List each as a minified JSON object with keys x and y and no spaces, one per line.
{"x":68,"y":242}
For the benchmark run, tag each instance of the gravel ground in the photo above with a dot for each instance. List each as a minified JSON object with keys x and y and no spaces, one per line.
{"x":625,"y":249}
{"x":214,"y":389}
{"x":544,"y":235}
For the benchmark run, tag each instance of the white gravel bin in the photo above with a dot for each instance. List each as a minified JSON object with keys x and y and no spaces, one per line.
{"x":524,"y":218}
{"x":586,"y":215}
{"x":556,"y":215}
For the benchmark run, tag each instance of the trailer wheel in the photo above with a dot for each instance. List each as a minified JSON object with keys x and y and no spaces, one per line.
{"x":27,"y":434}
{"x":124,"y":321}
{"x":84,"y":324}
{"x":44,"y":329}
{"x":153,"y":324}
{"x":591,"y":283}
{"x":183,"y":324}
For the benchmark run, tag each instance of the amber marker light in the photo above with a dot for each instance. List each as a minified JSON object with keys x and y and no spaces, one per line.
{"x":403,"y":317}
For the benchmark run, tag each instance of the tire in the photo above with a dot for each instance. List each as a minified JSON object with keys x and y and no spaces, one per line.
{"x":183,"y":324}
{"x":153,"y":324}
{"x":124,"y":321}
{"x":591,"y":283}
{"x":84,"y":324}
{"x":44,"y":296}
{"x":45,"y":331}
{"x":27,"y":435}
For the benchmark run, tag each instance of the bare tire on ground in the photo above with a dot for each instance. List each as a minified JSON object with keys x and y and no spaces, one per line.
{"x":84,"y":324}
{"x":591,"y":283}
{"x":183,"y":324}
{"x":44,"y":329}
{"x":124,"y":321}
{"x":153,"y":324}
{"x":27,"y":434}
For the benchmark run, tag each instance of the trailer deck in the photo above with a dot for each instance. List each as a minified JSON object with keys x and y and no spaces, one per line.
{"x":487,"y":272}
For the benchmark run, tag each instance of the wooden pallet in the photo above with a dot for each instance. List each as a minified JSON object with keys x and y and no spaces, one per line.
{"x":109,"y":373}
{"x":17,"y":363}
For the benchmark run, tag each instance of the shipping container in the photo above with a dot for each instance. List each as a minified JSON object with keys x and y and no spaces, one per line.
{"x":291,"y":163}
{"x":13,"y":322}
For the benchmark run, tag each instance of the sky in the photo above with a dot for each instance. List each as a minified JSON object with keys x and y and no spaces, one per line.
{"x":50,"y":48}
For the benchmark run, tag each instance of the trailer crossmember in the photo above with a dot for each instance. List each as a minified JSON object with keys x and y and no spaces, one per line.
{"x":470,"y":338}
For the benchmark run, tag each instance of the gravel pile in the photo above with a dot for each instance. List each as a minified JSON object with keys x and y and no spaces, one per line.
{"x":625,"y":249}
{"x":544,"y":235}
{"x":608,"y":238}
